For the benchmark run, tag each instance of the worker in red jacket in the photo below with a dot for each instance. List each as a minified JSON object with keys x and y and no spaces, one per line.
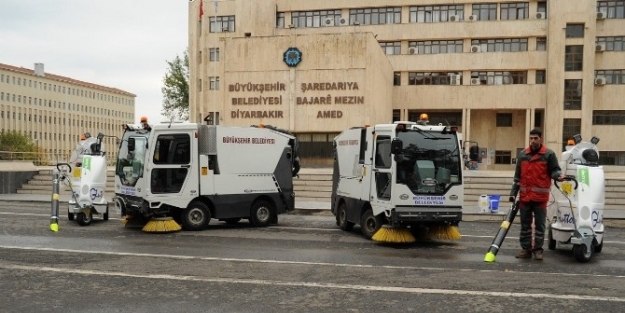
{"x":536,"y":166}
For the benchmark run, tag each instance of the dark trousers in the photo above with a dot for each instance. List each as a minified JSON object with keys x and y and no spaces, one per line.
{"x":537,"y":211}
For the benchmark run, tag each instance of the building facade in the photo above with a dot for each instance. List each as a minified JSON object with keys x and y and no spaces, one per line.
{"x":56,"y":110}
{"x":496,"y":69}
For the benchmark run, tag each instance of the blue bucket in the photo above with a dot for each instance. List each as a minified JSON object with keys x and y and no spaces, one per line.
{"x":493,"y":203}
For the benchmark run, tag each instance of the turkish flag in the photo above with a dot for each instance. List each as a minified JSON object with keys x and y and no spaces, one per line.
{"x":201,"y":8}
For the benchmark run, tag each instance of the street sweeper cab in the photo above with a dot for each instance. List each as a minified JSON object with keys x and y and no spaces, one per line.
{"x":193,"y":173}
{"x":402,"y":176}
{"x":579,"y":201}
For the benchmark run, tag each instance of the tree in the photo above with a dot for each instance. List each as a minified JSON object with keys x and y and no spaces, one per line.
{"x":176,"y":89}
{"x":15,"y":145}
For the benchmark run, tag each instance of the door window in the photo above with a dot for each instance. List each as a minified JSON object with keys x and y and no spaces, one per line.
{"x":170,"y":150}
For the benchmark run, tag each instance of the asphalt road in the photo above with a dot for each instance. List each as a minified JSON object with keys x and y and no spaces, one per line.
{"x":304,"y":264}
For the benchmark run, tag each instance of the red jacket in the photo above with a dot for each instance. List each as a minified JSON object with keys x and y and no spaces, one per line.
{"x":534,"y":172}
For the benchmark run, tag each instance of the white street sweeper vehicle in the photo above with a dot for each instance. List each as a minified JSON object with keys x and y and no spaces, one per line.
{"x":87,"y":180}
{"x":403,"y":176}
{"x":193,"y":173}
{"x":579,"y":201}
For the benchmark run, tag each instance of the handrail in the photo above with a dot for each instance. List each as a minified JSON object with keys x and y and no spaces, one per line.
{"x":41,"y":158}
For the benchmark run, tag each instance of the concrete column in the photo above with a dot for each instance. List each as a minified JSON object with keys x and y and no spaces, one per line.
{"x":466,"y":122}
{"x":528,"y":125}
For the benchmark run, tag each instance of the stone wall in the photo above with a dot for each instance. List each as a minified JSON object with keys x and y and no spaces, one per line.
{"x":14,"y":174}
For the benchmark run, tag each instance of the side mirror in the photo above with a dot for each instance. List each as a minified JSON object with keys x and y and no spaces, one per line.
{"x":131,"y":144}
{"x":397,"y":146}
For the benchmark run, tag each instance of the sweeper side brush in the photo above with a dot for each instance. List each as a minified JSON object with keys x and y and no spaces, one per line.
{"x":389,"y":234}
{"x":161,"y":225}
{"x":443,"y":232}
{"x":501,"y":233}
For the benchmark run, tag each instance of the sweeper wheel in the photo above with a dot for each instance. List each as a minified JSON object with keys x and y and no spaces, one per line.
{"x":552,"y":242}
{"x":582,"y":254}
{"x":370,"y":224}
{"x":261,"y":213}
{"x":341,"y":218}
{"x":196,"y":216}
{"x":105,"y":216}
{"x":84,"y":219}
{"x":599,"y":247}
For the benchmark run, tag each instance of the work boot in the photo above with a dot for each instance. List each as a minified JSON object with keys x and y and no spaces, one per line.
{"x":538,"y":255}
{"x":524,"y":254}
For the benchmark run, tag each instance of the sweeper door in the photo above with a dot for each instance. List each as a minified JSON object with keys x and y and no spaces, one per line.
{"x":172,"y":168}
{"x":381,"y":185}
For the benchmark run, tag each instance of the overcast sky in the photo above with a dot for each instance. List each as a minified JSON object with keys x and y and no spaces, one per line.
{"x":115,"y":43}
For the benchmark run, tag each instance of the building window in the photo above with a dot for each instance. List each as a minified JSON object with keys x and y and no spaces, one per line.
{"x":573,"y":94}
{"x":501,"y":45}
{"x":504,"y":119}
{"x":213,"y":54}
{"x":514,"y":11}
{"x":396,"y":115}
{"x":542,"y":7}
{"x":428,"y":78}
{"x":503,"y":157}
{"x":199,"y":84}
{"x":612,"y":158}
{"x":316,"y":18}
{"x":538,"y":119}
{"x":500,"y":78}
{"x":436,"y":46}
{"x":374,"y":16}
{"x":219,"y":24}
{"x":199,"y":57}
{"x":573,"y":58}
{"x":541,"y":44}
{"x":435,"y":13}
{"x":541,"y":77}
{"x":612,"y":77}
{"x":214,"y":83}
{"x":435,"y":118}
{"x":608,"y":117}
{"x":612,"y":9}
{"x":391,"y":47}
{"x":574,"y":30}
{"x":315,"y":146}
{"x":396,"y":78}
{"x":280,"y":20}
{"x":486,"y":11}
{"x":612,"y":43}
{"x":570,"y":128}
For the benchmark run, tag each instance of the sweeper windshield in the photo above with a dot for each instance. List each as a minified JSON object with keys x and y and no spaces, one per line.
{"x":131,"y":157}
{"x":430,"y":161}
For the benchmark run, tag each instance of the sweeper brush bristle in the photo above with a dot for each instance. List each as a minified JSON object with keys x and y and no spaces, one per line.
{"x":393,"y":235}
{"x":133,"y":222}
{"x":161,"y":225}
{"x":443,"y":232}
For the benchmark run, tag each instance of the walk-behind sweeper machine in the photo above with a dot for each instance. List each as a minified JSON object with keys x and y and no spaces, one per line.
{"x":578,"y":218}
{"x":86,"y":180}
{"x":579,"y":201}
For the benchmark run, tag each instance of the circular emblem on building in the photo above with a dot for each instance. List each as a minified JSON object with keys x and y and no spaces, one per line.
{"x":292,"y":57}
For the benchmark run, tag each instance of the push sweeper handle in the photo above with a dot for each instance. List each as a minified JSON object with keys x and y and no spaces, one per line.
{"x":58,"y":166}
{"x":567,"y":178}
